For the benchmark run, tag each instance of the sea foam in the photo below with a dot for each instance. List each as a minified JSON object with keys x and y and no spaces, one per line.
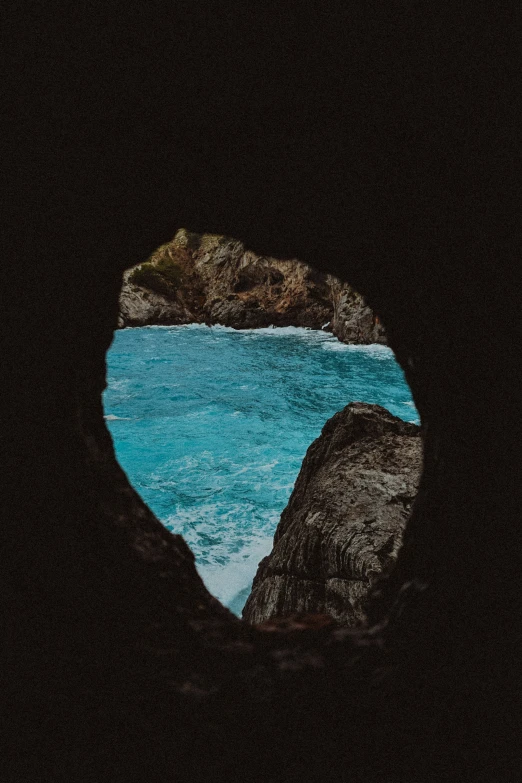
{"x":218,"y":420}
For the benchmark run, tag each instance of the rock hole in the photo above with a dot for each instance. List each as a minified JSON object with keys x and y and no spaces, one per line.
{"x":218,"y":393}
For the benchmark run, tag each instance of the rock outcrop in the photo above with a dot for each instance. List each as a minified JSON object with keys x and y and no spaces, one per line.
{"x":352,"y":320}
{"x":139,"y":306}
{"x":343,"y":524}
{"x":213,"y":279}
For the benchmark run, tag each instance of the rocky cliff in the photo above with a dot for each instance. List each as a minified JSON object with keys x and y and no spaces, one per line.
{"x":343,"y":524}
{"x":352,"y":320}
{"x":213,"y":279}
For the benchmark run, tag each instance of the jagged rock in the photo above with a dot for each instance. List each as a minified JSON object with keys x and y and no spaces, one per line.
{"x":228,"y":312}
{"x":139,"y":307}
{"x":220,"y":282}
{"x":353,"y":321}
{"x":344,"y":521}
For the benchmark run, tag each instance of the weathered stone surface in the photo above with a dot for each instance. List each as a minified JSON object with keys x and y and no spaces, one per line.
{"x":139,"y":307}
{"x":344,"y":521}
{"x":353,"y":321}
{"x":223,"y":283}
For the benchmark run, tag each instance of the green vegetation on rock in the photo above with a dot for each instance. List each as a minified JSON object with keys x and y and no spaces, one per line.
{"x":162,"y":276}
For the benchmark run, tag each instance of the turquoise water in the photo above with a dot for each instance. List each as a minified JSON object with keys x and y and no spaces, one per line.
{"x":211,"y":425}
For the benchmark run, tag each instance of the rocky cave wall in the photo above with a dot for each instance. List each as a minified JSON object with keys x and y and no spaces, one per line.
{"x":389,"y":131}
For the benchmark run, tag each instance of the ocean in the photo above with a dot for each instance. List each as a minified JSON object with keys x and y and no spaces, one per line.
{"x":211,"y":425}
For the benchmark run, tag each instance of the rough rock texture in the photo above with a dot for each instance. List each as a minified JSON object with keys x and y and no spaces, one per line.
{"x":343,"y":524}
{"x":352,"y":320}
{"x":221,"y":282}
{"x":378,"y":142}
{"x":139,"y":306}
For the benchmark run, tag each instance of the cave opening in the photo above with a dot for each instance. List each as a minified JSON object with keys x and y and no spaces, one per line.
{"x":211,"y":422}
{"x":386,"y":130}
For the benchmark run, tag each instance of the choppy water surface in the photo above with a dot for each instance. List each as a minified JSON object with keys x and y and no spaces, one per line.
{"x":212,"y":424}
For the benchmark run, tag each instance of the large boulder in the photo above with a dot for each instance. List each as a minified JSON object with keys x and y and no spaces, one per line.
{"x":343,"y":525}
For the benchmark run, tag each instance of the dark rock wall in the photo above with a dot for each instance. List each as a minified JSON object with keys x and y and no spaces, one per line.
{"x":390,"y":129}
{"x":342,"y":527}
